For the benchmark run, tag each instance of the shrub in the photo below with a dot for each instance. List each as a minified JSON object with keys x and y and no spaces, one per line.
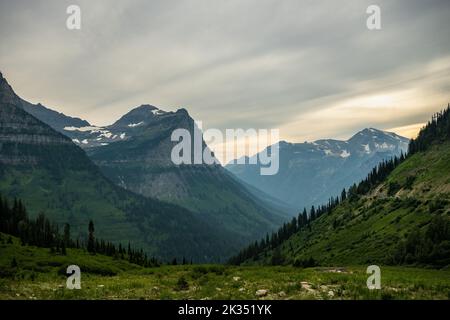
{"x":277,"y":258}
{"x":435,"y":205}
{"x":13,"y":263}
{"x":182,"y":284}
{"x":393,"y":187}
{"x":305,"y":263}
{"x":409,"y":182}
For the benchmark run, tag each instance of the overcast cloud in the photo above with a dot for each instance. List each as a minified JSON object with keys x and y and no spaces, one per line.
{"x":310,"y":68}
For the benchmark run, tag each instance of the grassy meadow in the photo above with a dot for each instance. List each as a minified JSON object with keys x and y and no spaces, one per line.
{"x":36,"y":273}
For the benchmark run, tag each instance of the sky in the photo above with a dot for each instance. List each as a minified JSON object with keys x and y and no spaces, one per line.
{"x":311,"y":69}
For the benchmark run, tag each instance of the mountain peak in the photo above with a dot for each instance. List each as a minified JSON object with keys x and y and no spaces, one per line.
{"x":141,"y":114}
{"x":182,"y":111}
{"x":4,"y":83}
{"x":144,"y":107}
{"x":7,"y":94}
{"x":376,"y":133}
{"x":370,"y":131}
{"x":143,"y":110}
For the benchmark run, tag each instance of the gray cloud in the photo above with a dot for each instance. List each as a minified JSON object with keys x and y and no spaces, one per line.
{"x":293,"y":65}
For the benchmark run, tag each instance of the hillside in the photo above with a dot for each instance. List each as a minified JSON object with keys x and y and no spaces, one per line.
{"x":404,"y":219}
{"x":311,"y":172}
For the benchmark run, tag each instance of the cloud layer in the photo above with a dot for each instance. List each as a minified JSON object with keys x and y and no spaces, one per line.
{"x":310,"y":68}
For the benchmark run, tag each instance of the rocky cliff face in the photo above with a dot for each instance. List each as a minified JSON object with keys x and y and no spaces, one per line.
{"x":20,"y":133}
{"x":25,"y":141}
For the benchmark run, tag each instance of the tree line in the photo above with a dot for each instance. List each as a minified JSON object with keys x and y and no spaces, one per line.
{"x":437,"y":129}
{"x":302,"y":221}
{"x":40,"y":232}
{"x":377,"y":175}
{"x":305,"y":218}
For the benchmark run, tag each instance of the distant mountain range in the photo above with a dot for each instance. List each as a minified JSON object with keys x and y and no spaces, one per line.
{"x":311,"y":172}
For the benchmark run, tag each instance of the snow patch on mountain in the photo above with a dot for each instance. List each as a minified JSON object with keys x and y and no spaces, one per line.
{"x":132,"y":125}
{"x":84,"y":129}
{"x":157,"y":112}
{"x":366,"y":148}
{"x":384,"y":146}
{"x":105,"y":134}
{"x":345,"y":154}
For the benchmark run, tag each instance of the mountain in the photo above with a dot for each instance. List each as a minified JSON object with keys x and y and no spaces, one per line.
{"x":399,"y":214}
{"x":132,"y":124}
{"x":51,"y":174}
{"x":134,"y":153}
{"x":141,"y":162}
{"x":310,"y":173}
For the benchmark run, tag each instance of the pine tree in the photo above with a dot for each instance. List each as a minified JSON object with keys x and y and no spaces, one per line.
{"x":14,"y":263}
{"x":63,"y":248}
{"x":305,"y":217}
{"x":312,"y":214}
{"x":91,"y":238}
{"x":67,"y":235}
{"x":343,"y":195}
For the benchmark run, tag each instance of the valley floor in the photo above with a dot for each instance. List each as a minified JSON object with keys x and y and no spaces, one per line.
{"x":219,"y":282}
{"x":28,"y":272}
